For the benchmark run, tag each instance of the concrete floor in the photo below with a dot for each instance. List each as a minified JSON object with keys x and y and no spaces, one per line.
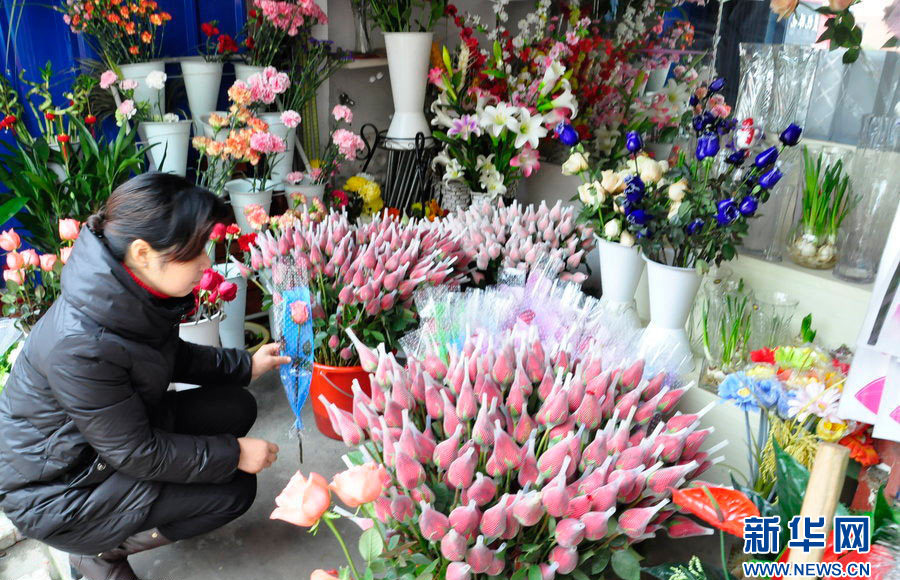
{"x":253,"y":546}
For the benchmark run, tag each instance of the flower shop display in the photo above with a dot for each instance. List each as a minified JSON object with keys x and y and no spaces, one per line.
{"x":201,"y":326}
{"x":513,"y":451}
{"x":231,"y":328}
{"x":493,"y":110}
{"x":32,"y":279}
{"x":726,"y":323}
{"x":826,"y":200}
{"x":407,"y":26}
{"x":498,"y":237}
{"x":203,"y":76}
{"x":362,"y":278}
{"x":270,"y":28}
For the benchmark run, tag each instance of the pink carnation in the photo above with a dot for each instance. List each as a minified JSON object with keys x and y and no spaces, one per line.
{"x":108,"y":79}
{"x":342,"y":112}
{"x":128,"y":84}
{"x":266,"y":85}
{"x":256,"y":215}
{"x":294,"y":177}
{"x":267,"y":143}
{"x":315,"y":174}
{"x":290,"y":119}
{"x":348,"y":143}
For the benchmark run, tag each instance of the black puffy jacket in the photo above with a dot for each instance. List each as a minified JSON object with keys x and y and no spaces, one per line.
{"x":85,"y":443}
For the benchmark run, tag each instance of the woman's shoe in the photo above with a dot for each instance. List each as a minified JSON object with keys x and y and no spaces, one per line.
{"x":113,"y":564}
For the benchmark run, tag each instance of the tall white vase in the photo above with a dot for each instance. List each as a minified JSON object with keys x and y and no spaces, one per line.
{"x":138,"y":72}
{"x":170,"y":143}
{"x":231,"y":329}
{"x":672,"y":294}
{"x":408,"y":54}
{"x":285,"y":161}
{"x":242,"y":71}
{"x":204,"y":332}
{"x":620,"y":272}
{"x":242,"y":194}
{"x":201,"y":82}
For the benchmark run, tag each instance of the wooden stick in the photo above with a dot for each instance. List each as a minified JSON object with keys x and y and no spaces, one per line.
{"x":822,"y":494}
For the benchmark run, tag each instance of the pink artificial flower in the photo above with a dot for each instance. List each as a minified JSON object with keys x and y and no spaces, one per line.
{"x":108,"y":79}
{"x":436,"y":77}
{"x":127,"y":108}
{"x":299,"y":312}
{"x":267,"y":143}
{"x":294,"y":177}
{"x":256,"y":216}
{"x":290,"y":119}
{"x":527,"y":160}
{"x":348,"y":143}
{"x":341,"y":112}
{"x":128,"y":84}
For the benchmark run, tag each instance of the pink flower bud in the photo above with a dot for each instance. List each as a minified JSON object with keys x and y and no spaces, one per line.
{"x":410,"y":473}
{"x":595,"y":452}
{"x":554,"y":410}
{"x":569,"y":532}
{"x":423,"y":493}
{"x":579,"y":506}
{"x":548,"y":571}
{"x":548,"y":382}
{"x":596,"y":524}
{"x":631,"y":377}
{"x":684,"y":527}
{"x":447,"y":450}
{"x":435,"y":367}
{"x":459,"y":571}
{"x":498,"y":564}
{"x":432,"y":523}
{"x":663,"y":480}
{"x":599,"y":384}
{"x":483,"y":430}
{"x":627,"y":403}
{"x":591,"y":369}
{"x":434,"y":405}
{"x":451,"y":419}
{"x":453,"y":546}
{"x":680,"y":421}
{"x":465,"y":519}
{"x":479,"y":556}
{"x":343,"y":423}
{"x":555,"y":496}
{"x":604,"y":497}
{"x":367,"y":358}
{"x":694,"y":441}
{"x":383,"y":510}
{"x":523,"y":428}
{"x":528,"y":470}
{"x":671,"y":399}
{"x":575,"y":394}
{"x":493,"y":521}
{"x":466,"y":404}
{"x":588,"y":412}
{"x":647,"y":410}
{"x":527,"y":508}
{"x":462,"y":470}
{"x":393,"y":414}
{"x":654,"y":386}
{"x":503,"y":370}
{"x":402,"y":507}
{"x":672,"y":445}
{"x":387,"y":301}
{"x":506,"y":452}
{"x":401,"y":394}
{"x":565,"y":558}
{"x":482,"y":491}
{"x":552,"y":460}
{"x":635,"y":520}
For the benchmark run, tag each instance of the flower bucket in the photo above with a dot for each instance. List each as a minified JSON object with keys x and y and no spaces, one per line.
{"x":408,"y":54}
{"x":170,"y":143}
{"x":201,"y":83}
{"x":261,"y":333}
{"x":138,"y":72}
{"x":242,"y":71}
{"x":620,"y":272}
{"x":204,"y":332}
{"x":672,"y":294}
{"x":310,"y":190}
{"x":242,"y":194}
{"x":231,"y":329}
{"x":285,"y":161}
{"x":335,"y":384}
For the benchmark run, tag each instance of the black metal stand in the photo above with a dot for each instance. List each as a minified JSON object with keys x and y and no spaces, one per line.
{"x":408,"y":175}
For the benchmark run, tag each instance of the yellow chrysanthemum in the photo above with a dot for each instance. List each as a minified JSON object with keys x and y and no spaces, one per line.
{"x":370,"y":193}
{"x":355,"y":183}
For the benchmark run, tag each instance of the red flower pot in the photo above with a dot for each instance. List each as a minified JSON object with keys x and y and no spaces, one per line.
{"x":335,"y":384}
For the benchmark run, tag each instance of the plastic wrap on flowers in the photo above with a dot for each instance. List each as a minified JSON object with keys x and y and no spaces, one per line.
{"x":293,"y":320}
{"x":514,"y":450}
{"x":496,"y":236}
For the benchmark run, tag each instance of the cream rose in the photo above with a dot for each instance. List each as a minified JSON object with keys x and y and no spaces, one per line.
{"x":650,"y":171}
{"x":612,"y":229}
{"x":586,"y":194}
{"x":673,"y":211}
{"x":611,"y":182}
{"x":599,"y":192}
{"x":575,"y":164}
{"x":678,"y":190}
{"x":627,"y":239}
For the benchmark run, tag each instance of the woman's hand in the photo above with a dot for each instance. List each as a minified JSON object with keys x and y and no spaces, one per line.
{"x":256,"y":454}
{"x":266,"y":359}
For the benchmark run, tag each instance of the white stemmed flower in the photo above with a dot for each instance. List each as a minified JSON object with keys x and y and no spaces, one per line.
{"x":551,"y":75}
{"x":453,"y":170}
{"x":156,"y":80}
{"x":566,"y":101}
{"x":496,"y":118}
{"x":528,"y":129}
{"x":483,"y":163}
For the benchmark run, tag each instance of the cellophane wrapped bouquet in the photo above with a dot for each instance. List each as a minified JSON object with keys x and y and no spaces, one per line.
{"x":494,"y":237}
{"x":520,"y":449}
{"x":362,"y":276}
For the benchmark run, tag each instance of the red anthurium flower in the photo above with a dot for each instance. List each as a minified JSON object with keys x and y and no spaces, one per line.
{"x":721,"y":507}
{"x":878,"y":556}
{"x":763,"y":355}
{"x":90,"y":120}
{"x":63,"y":139}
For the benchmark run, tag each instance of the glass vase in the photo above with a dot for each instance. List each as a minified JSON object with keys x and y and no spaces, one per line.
{"x":726,"y":325}
{"x":810,"y":249}
{"x":874,"y":177}
{"x":361,"y":26}
{"x":773,"y":313}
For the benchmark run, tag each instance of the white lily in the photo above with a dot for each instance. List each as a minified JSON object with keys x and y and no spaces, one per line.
{"x":454,"y":170}
{"x":528,"y":129}
{"x":496,"y":118}
{"x":483,"y":162}
{"x":551,"y":75}
{"x":566,"y":101}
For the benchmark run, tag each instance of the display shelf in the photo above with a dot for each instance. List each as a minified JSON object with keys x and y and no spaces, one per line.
{"x":361,"y":63}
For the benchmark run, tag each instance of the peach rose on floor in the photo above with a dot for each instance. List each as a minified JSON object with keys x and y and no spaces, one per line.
{"x":783,"y":8}
{"x":303,"y":500}
{"x":323,"y":575}
{"x":360,"y":484}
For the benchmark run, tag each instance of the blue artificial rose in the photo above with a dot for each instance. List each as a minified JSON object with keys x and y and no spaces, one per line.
{"x":633,"y":142}
{"x":768,"y":179}
{"x":697,"y":123}
{"x":748,"y":205}
{"x":737,"y":158}
{"x":768,"y":392}
{"x":717,"y":85}
{"x":791,"y":135}
{"x":567,"y":134}
{"x":707,"y":146}
{"x":766,"y":158}
{"x":694,"y":101}
{"x":694,"y":227}
{"x":727,"y":212}
{"x":638,"y":217}
{"x":738,"y":388}
{"x":634,"y":189}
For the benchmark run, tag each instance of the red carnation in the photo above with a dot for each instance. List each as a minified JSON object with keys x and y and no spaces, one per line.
{"x":246,"y":241}
{"x":218,"y":233}
{"x":227,"y":45}
{"x":209,"y":29}
{"x":233,"y":230}
{"x":450,"y":10}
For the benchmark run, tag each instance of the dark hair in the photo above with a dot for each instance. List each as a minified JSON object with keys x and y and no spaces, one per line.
{"x":167,"y":211}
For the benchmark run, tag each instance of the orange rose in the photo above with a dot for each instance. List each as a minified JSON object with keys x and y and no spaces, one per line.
{"x":359,"y":485}
{"x":146,"y":37}
{"x":129,"y":28}
{"x":303,"y":501}
{"x":156,"y":19}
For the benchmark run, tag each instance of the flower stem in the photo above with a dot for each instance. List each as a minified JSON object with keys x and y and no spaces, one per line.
{"x":724,"y":559}
{"x":344,"y":547}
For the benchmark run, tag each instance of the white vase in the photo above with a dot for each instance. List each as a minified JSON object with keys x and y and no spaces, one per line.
{"x":242,"y":71}
{"x":408,"y":55}
{"x":138,"y":72}
{"x":284,"y":161}
{"x":672,"y":294}
{"x":170,"y":143}
{"x":204,"y":332}
{"x":620,"y":272}
{"x":244,"y":192}
{"x":656,"y":80}
{"x":310,"y":190}
{"x":231,"y":329}
{"x":201,"y":82}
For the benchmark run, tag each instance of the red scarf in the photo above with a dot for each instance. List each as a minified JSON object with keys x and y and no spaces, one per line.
{"x":141,"y":283}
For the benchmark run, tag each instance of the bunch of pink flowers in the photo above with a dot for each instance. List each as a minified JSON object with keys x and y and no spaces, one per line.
{"x":266,"y":85}
{"x":290,"y":17}
{"x":495,"y":236}
{"x":504,"y":455}
{"x":362,"y":276}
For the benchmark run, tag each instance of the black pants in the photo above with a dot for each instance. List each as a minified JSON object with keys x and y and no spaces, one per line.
{"x":185,"y":510}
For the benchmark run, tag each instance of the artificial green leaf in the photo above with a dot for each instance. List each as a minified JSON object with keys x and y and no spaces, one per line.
{"x":883,"y":515}
{"x":851,"y":55}
{"x":520,"y":574}
{"x":579,"y":575}
{"x":534,"y":573}
{"x":790,"y":484}
{"x":600,"y":562}
{"x":370,"y":544}
{"x":625,"y":564}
